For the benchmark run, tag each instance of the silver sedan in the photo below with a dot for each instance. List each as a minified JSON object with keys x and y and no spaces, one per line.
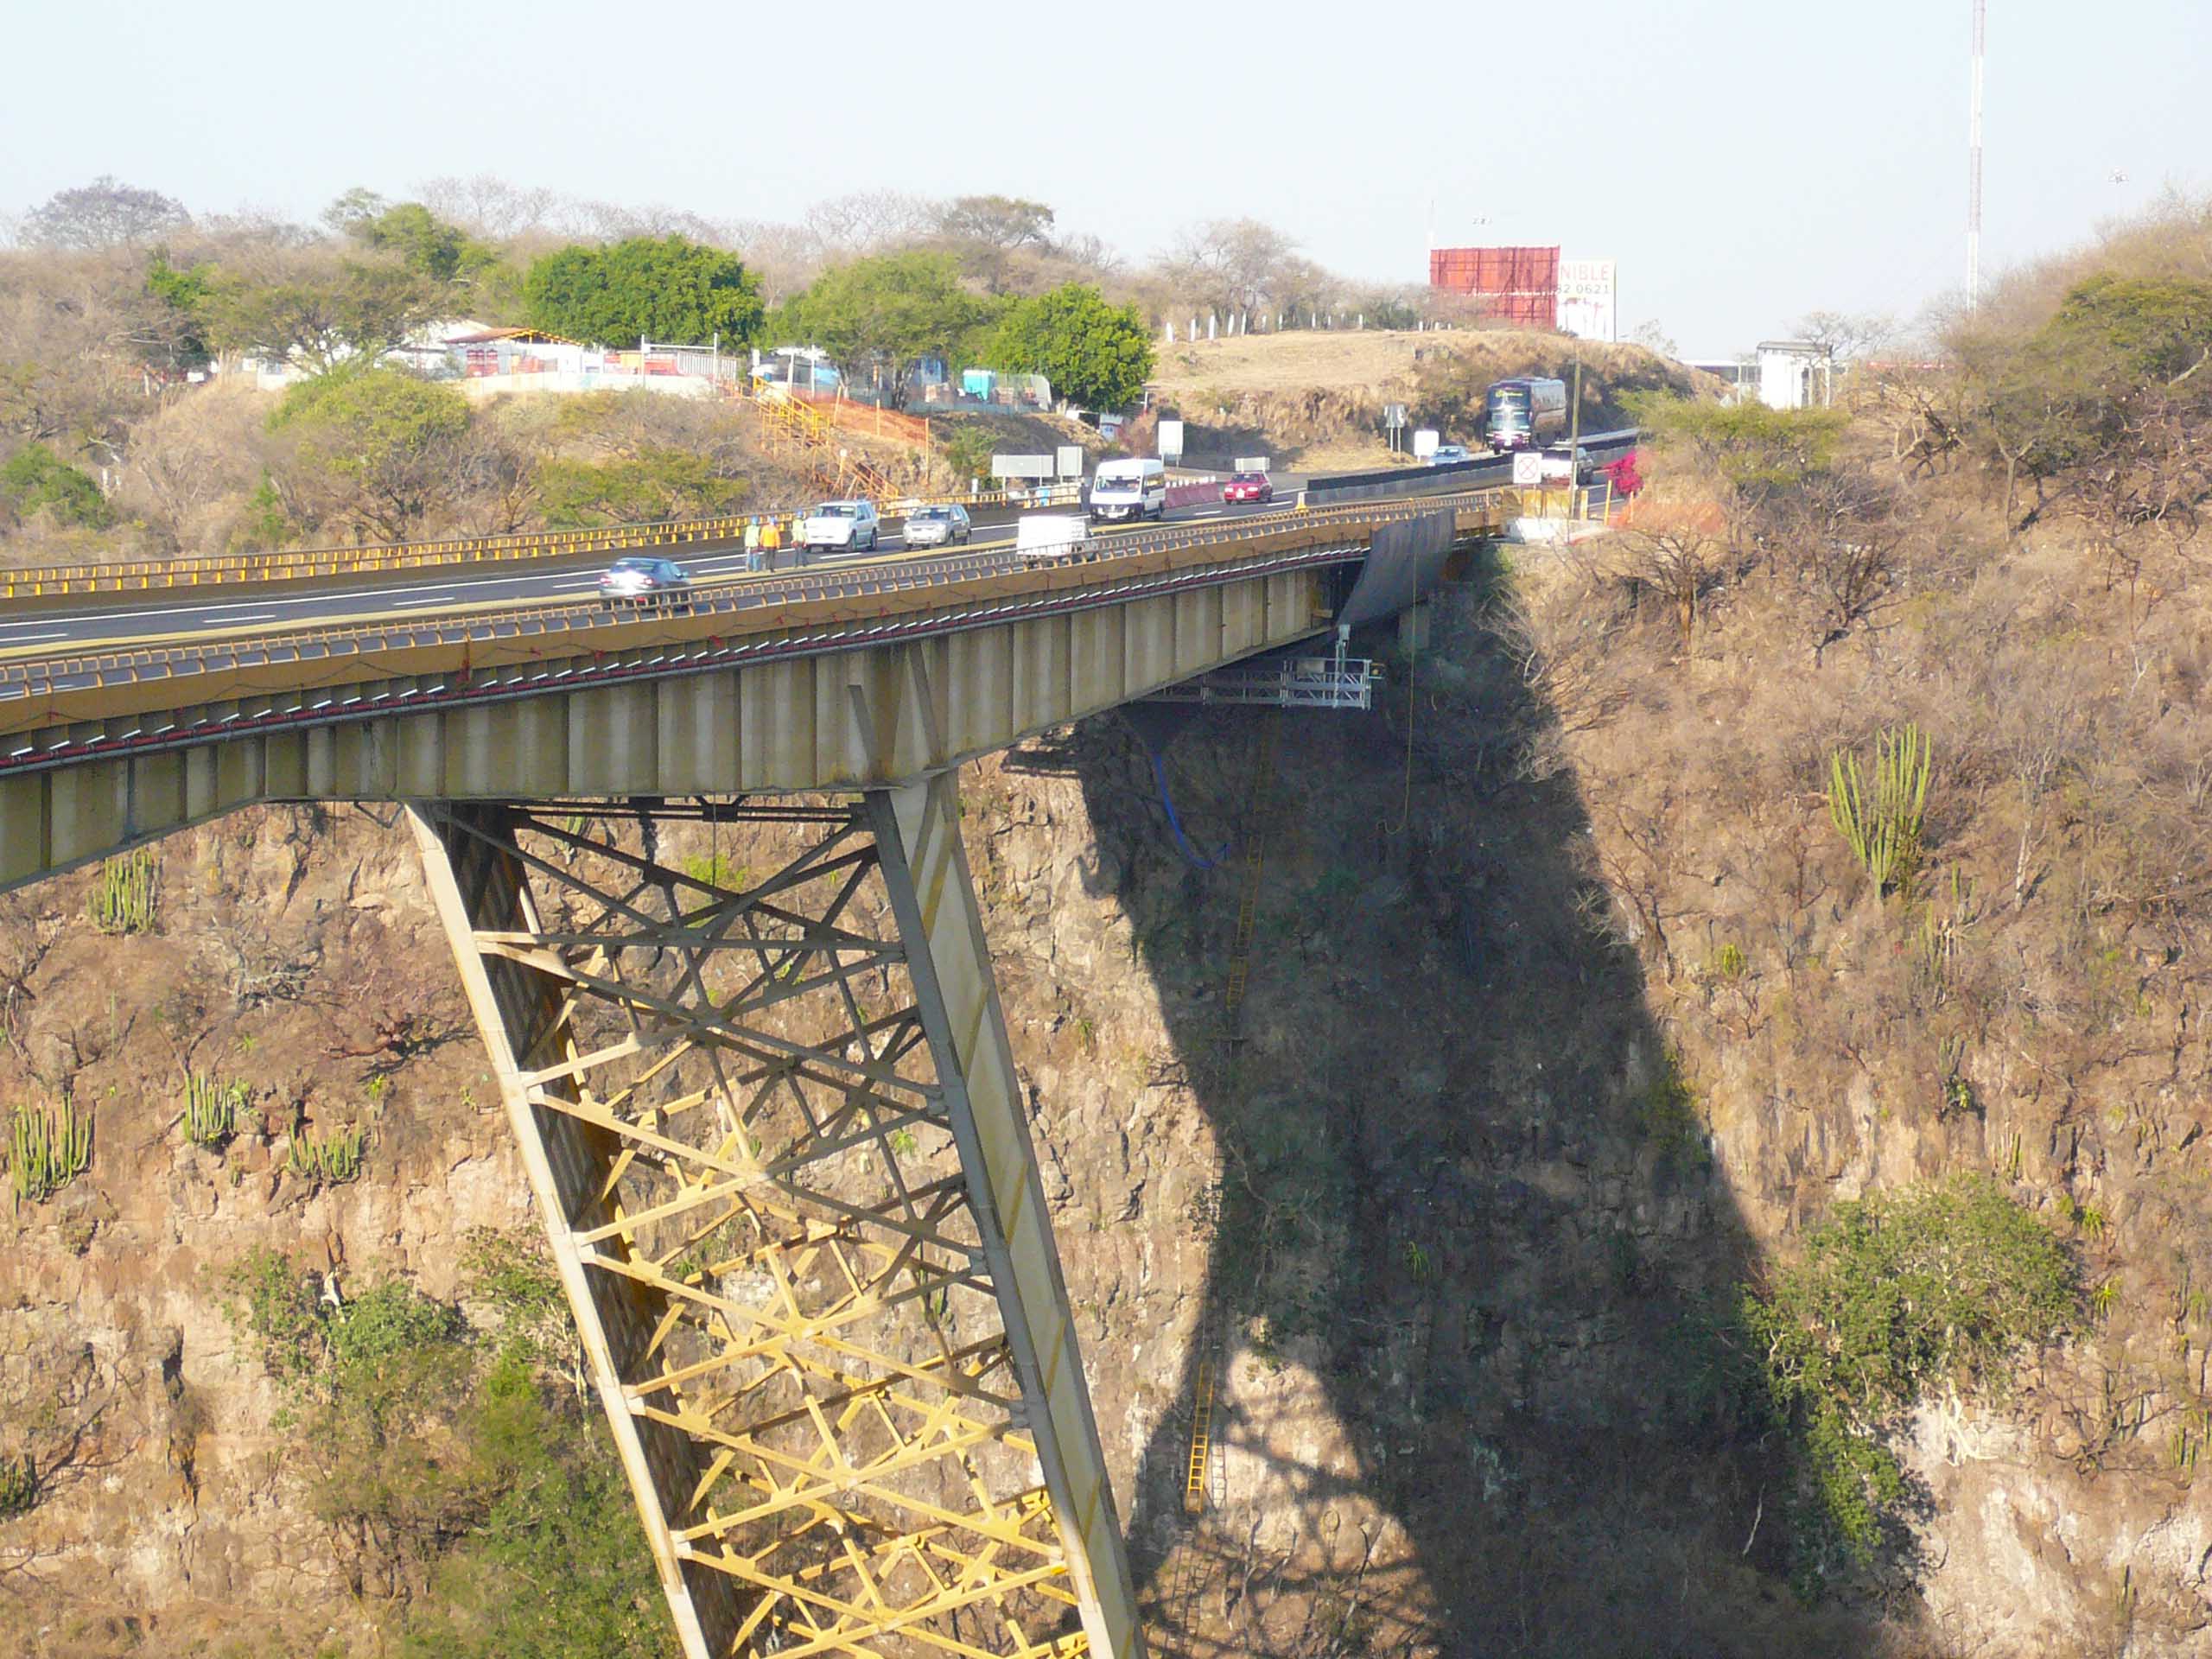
{"x":938,"y":526}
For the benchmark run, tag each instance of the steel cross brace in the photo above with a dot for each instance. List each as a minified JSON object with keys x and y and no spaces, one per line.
{"x":773,"y":1129}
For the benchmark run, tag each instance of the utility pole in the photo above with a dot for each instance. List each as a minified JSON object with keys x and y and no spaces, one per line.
{"x":1574,"y":435}
{"x":1974,"y":161}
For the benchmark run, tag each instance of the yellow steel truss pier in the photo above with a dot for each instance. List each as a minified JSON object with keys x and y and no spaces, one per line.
{"x":772,"y":1126}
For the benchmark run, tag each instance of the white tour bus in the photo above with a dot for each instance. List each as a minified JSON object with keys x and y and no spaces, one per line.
{"x":1129,"y":489}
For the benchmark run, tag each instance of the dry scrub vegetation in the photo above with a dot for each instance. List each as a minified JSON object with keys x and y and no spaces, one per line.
{"x":1999,"y":558}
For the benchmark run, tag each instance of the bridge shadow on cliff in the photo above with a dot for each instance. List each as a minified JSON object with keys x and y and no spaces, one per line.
{"x":1465,"y":1206}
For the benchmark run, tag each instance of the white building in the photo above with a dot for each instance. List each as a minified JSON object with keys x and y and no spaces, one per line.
{"x":1793,"y":374}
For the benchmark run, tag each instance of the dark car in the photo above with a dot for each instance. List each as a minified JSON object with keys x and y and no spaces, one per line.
{"x":643,"y":581}
{"x":1247,"y":486}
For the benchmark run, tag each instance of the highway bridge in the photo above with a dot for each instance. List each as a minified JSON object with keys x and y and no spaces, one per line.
{"x":770,"y":1117}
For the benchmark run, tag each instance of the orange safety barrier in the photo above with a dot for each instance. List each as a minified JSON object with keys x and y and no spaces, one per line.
{"x":869,"y":420}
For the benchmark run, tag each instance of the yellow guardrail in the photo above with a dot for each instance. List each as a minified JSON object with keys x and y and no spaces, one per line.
{"x":145,"y":574}
{"x":798,"y":421}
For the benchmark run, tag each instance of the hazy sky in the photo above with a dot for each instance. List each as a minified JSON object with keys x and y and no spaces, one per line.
{"x":1745,"y":161}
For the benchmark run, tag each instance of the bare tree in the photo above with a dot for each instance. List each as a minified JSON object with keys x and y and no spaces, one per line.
{"x":1839,"y":534}
{"x":612,"y":222}
{"x":106,"y":213}
{"x":1229,"y":265}
{"x":867,"y":221}
{"x":1846,"y":337}
{"x":490,"y":207}
{"x":784,"y":257}
{"x":190,"y":461}
{"x":1682,"y":561}
{"x":987,"y":234}
{"x":1926,"y":420}
{"x":68,"y":374}
{"x":497,"y":480}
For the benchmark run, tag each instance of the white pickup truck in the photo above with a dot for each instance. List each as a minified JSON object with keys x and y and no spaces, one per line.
{"x":1042,"y":535}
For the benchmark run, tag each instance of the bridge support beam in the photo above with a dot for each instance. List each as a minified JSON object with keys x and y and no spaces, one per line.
{"x":771,"y":1121}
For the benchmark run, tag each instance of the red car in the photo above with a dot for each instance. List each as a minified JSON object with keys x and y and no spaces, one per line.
{"x":1247,"y":486}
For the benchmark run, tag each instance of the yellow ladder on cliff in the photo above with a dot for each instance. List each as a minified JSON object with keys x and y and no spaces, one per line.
{"x":1197,"y":1483}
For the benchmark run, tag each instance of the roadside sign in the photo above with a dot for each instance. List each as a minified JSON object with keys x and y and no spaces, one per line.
{"x":1394,"y":416}
{"x":1171,"y":440}
{"x":1251,"y":463}
{"x":1023,"y":467}
{"x":1527,"y":467}
{"x":1070,"y":458}
{"x":1425,"y":442}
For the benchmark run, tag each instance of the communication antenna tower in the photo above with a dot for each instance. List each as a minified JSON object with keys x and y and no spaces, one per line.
{"x":1974,"y":161}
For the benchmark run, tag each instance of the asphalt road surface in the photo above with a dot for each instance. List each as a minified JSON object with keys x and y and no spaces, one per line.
{"x":110,"y":618}
{"x":231,"y":608}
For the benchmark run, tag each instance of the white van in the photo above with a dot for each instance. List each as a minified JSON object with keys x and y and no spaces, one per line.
{"x":1129,"y":489}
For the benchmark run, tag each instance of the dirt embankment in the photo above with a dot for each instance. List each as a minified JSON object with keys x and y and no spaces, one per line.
{"x":1314,"y":401}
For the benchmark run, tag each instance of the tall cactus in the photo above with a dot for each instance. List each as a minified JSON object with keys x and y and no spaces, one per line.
{"x":122,"y":899}
{"x":210,"y":1109}
{"x":1880,"y":819}
{"x":47,"y":1150}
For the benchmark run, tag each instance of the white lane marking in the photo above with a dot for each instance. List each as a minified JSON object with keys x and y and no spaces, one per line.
{"x":414,"y":604}
{"x":33,"y":638}
{"x":269,"y":616}
{"x":340,"y":600}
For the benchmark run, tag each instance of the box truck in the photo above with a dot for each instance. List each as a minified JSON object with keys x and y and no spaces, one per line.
{"x":1040,"y":536}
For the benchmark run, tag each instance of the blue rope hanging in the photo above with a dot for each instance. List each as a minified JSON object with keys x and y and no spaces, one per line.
{"x":1198,"y":859}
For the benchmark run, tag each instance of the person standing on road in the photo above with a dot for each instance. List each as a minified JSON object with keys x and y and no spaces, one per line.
{"x":771,"y":539}
{"x":753,"y":543}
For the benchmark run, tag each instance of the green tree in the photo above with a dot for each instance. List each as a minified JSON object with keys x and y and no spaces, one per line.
{"x":2135,"y":331}
{"x":450,"y":1463}
{"x":889,"y":312}
{"x":380,"y":443}
{"x":656,"y":483}
{"x":2105,"y":409}
{"x":180,"y":297}
{"x":1756,"y":452}
{"x":35,"y":479}
{"x":423,"y":242}
{"x":318,"y":319}
{"x":669,"y":288}
{"x":1897,"y":1295}
{"x":563,"y":1523}
{"x":1094,"y":353}
{"x":969,"y":452}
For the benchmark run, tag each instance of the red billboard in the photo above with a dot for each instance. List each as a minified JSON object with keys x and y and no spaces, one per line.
{"x":1515,"y":285}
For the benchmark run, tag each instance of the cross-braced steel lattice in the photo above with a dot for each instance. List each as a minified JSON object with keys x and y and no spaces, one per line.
{"x":770,"y":1118}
